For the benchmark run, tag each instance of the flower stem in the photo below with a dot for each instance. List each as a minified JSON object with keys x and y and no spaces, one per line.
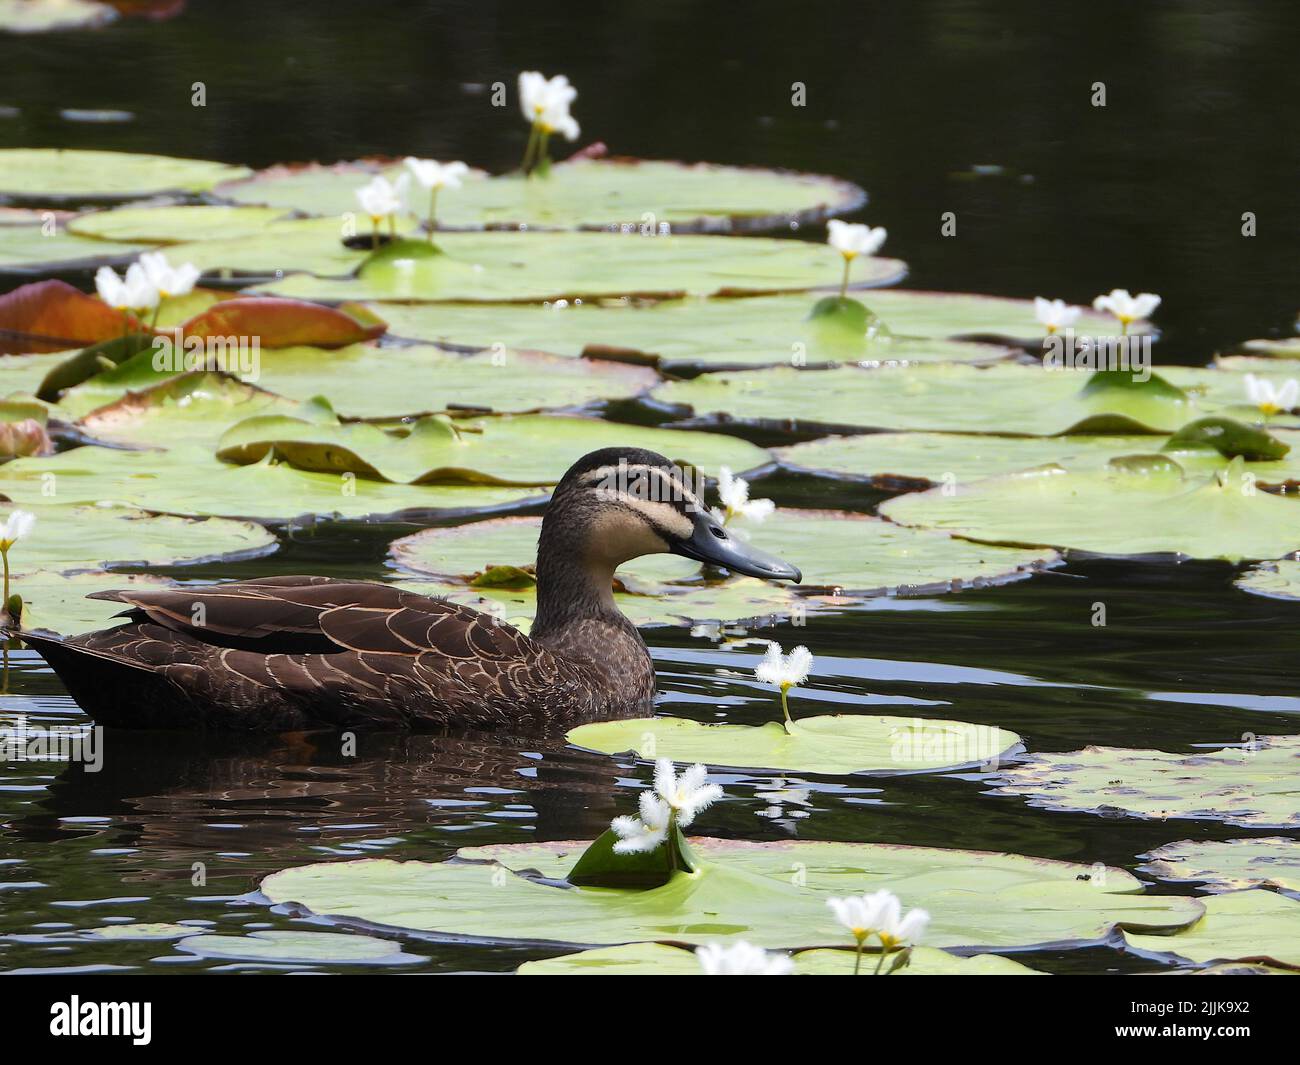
{"x":857,"y":957}
{"x":844,"y":282}
{"x":433,"y":208}
{"x":785,"y":706}
{"x":672,"y":843}
{"x":4,"y":605}
{"x":529,"y":150}
{"x":374,"y":234}
{"x":884,"y":953}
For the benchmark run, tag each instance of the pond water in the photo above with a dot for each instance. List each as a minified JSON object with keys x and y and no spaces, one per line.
{"x":906,"y":100}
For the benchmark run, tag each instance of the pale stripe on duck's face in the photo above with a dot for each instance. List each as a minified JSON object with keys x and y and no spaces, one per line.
{"x":643,"y":509}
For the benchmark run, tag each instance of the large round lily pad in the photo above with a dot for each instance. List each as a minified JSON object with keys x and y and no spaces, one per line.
{"x":1229,"y":865}
{"x":756,"y":331}
{"x":174,"y":224}
{"x":61,"y":175}
{"x":1141,"y":507}
{"x":1252,"y":786}
{"x":942,"y":397}
{"x":69,"y":538}
{"x":681,"y":335}
{"x":30,"y":250}
{"x":853,"y":553}
{"x":919,"y":460}
{"x":831,"y":743}
{"x":1252,"y":926}
{"x":188,"y":480}
{"x":528,"y":450}
{"x":1278,"y":580}
{"x":660,"y":959}
{"x":496,"y":267}
{"x":293,"y":947}
{"x":581,"y":193}
{"x":741,"y":890}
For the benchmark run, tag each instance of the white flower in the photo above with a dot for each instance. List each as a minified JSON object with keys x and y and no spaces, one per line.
{"x":734,"y":493}
{"x":14,"y":528}
{"x":435,"y":175}
{"x":1055,"y":314}
{"x":785,"y":671}
{"x":1126,"y":308}
{"x":853,"y":239}
{"x":894,"y":928}
{"x":169,"y":281}
{"x":861,"y":914}
{"x":686,"y":795}
{"x":131,"y":292}
{"x":743,"y":959}
{"x":646,"y":832}
{"x":381,"y":197}
{"x":1270,"y":399}
{"x":545,"y":103}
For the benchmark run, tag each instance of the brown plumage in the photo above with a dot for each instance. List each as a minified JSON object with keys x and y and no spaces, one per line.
{"x":286,"y":653}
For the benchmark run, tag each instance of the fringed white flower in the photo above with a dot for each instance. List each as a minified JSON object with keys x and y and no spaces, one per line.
{"x":1128,"y":309}
{"x":434,"y":176}
{"x":879,"y":914}
{"x":170,"y":281}
{"x":852,"y":239}
{"x":743,"y":959}
{"x":545,"y":103}
{"x":381,"y":198}
{"x":642,"y":834}
{"x":18,"y":525}
{"x":133,"y":291}
{"x":1055,"y":314}
{"x":733,"y":491}
{"x":1269,"y":398}
{"x":687,"y":794}
{"x":784,"y":671}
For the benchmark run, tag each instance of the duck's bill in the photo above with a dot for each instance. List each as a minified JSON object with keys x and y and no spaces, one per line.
{"x":712,"y":544}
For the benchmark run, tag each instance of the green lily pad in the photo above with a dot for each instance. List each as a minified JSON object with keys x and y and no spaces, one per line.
{"x":30,"y":250}
{"x":1278,"y":580}
{"x":758,"y":330}
{"x":495,"y":267}
{"x":188,"y":480}
{"x":741,"y":890}
{"x":852,"y":553}
{"x":944,"y":397}
{"x":1253,"y":787}
{"x":57,"y":601}
{"x":1272,"y":348}
{"x":306,"y":948}
{"x":142,"y":931}
{"x":192,"y":409}
{"x":679,"y":335}
{"x":660,"y":959}
{"x":174,"y":224}
{"x":62,"y":175}
{"x":1251,"y":926}
{"x":832,"y":743}
{"x":1229,"y":865}
{"x":1230,"y":438}
{"x":921,"y":460}
{"x":366,"y":381}
{"x":1142,"y":506}
{"x":69,"y":538}
{"x":527,"y":450}
{"x":581,"y":194}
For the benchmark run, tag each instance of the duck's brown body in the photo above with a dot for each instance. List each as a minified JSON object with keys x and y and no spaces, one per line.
{"x":300,"y":652}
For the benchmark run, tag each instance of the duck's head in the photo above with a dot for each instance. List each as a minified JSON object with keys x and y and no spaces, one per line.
{"x":619,"y":503}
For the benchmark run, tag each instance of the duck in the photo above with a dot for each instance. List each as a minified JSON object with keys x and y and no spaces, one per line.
{"x":289,"y":653}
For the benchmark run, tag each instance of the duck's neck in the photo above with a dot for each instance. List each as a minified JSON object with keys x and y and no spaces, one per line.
{"x":572,"y":589}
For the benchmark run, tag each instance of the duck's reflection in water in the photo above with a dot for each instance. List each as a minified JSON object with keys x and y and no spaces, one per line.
{"x":244,"y":806}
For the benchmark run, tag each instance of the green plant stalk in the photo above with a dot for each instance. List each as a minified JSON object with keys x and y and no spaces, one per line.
{"x":884,"y":953}
{"x":543,"y":153}
{"x":857,"y":956}
{"x":374,"y":233}
{"x":844,"y":282}
{"x":529,"y":150}
{"x":4,"y":603}
{"x":785,"y":706}
{"x":433,"y":209}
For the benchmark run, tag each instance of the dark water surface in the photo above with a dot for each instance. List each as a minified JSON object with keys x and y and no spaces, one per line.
{"x":905,"y":99}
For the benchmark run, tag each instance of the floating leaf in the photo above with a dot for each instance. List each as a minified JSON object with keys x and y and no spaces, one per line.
{"x":73,"y":538}
{"x":1278,"y":580}
{"x":1248,"y":786}
{"x":284,"y":323}
{"x":306,"y":948}
{"x":173,"y":225}
{"x":742,"y":890}
{"x":57,"y":601}
{"x":836,"y":549}
{"x":141,"y":931}
{"x":919,"y":460}
{"x":1228,"y":865}
{"x":1142,"y":507}
{"x":1229,"y":438}
{"x":33,"y":250}
{"x":950,"y":397}
{"x":494,"y":267}
{"x":833,"y":743}
{"x":60,"y":175}
{"x":49,"y":316}
{"x":660,"y":959}
{"x":581,"y":193}
{"x":189,"y":480}
{"x":529,"y":450}
{"x":1253,"y":926}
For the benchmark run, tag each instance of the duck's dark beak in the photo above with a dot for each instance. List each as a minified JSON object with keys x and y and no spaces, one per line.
{"x":712,"y":544}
